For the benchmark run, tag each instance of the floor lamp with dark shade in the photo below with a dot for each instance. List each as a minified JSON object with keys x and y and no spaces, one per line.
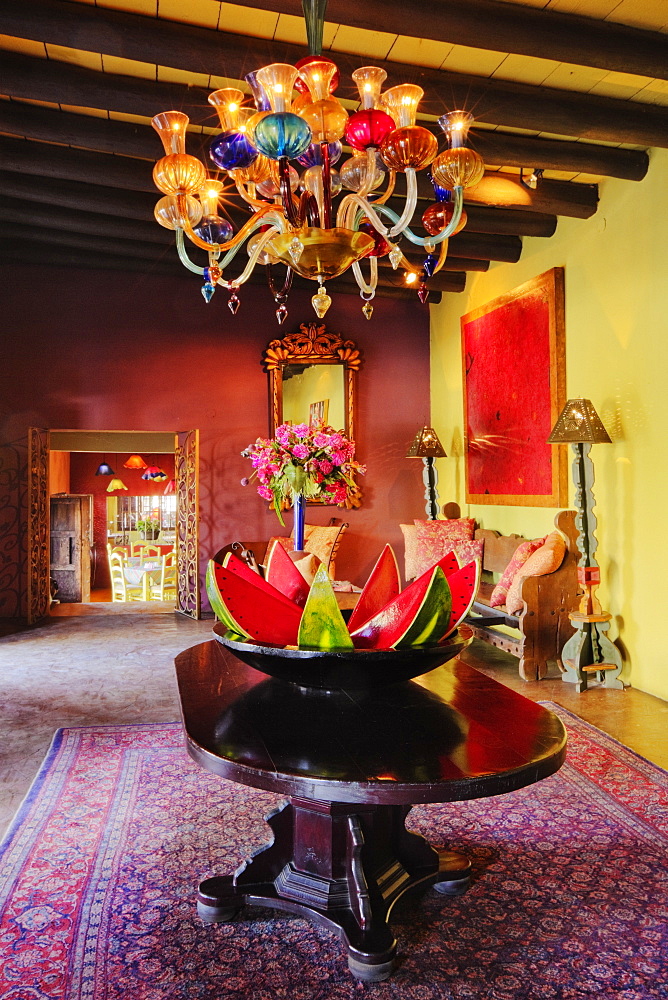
{"x":588,"y":652}
{"x":427,"y":446}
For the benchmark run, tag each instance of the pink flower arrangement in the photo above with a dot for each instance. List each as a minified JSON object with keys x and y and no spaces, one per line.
{"x":317,"y":461}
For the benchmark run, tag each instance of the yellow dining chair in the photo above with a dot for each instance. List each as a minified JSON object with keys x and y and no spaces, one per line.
{"x":121,"y":590}
{"x":165,"y":589}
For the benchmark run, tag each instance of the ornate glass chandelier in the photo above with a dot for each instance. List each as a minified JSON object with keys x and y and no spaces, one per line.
{"x":293,"y":219}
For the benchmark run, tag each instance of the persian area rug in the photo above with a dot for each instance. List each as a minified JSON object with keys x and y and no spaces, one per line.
{"x":99,"y":871}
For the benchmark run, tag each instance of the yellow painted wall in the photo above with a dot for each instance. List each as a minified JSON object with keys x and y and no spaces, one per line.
{"x":616,"y":276}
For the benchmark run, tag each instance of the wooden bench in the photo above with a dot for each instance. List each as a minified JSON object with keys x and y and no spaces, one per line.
{"x":543,"y":623}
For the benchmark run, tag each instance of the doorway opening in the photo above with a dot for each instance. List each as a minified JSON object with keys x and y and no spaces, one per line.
{"x":86,"y":500}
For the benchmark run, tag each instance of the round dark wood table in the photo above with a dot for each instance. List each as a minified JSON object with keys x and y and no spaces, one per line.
{"x":352,"y":763}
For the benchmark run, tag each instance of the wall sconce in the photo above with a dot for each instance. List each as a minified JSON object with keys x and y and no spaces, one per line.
{"x":427,"y":446}
{"x":588,"y":651}
{"x":531,"y":181}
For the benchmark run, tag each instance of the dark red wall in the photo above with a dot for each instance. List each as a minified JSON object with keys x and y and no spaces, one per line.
{"x":113,"y":351}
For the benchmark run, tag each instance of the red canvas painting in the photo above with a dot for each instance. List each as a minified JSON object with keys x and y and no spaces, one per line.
{"x":513,"y":359}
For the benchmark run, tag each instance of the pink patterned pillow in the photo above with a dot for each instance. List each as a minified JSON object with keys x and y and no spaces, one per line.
{"x":436,"y":538}
{"x":544,"y":560}
{"x":467,"y":552}
{"x":522,"y":553}
{"x":409,"y":532}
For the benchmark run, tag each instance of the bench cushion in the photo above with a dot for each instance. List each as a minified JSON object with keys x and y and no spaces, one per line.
{"x":546,"y":559}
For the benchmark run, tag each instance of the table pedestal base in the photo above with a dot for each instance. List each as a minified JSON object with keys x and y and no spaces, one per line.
{"x":341,"y":865}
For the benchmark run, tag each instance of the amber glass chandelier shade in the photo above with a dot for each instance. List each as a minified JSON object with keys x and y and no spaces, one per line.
{"x":179,"y":173}
{"x":317,"y":74}
{"x":278,"y":81}
{"x":167,"y":212}
{"x":227,"y":103}
{"x":326,"y":118}
{"x":209,"y":194}
{"x":134,"y":462}
{"x":327,"y":252}
{"x":579,"y":423}
{"x":401,"y":103}
{"x":410,"y":146}
{"x":369,"y":80}
{"x":171,"y":127}
{"x":257,"y":172}
{"x":437,"y":216}
{"x":459,"y":167}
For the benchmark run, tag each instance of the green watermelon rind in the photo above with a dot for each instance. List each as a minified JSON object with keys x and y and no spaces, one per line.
{"x":258,"y":607}
{"x":322,"y":609}
{"x":217,"y":604}
{"x":433,"y":615}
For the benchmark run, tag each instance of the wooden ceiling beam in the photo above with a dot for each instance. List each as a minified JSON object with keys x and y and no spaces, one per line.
{"x":133,"y":139}
{"x":551,"y":198}
{"x":133,"y":36}
{"x":507,"y":27}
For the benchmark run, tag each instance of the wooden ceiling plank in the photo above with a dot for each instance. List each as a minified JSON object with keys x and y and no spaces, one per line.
{"x":203,"y":50}
{"x":507,"y":27}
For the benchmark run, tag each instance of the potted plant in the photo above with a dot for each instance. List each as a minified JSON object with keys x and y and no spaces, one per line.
{"x":148,"y":529}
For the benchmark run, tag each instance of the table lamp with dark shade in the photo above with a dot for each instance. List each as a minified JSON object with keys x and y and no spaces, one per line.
{"x":588,"y":651}
{"x":427,"y":446}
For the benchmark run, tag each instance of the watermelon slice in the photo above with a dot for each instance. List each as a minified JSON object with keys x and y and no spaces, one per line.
{"x":254,"y":612}
{"x":408,"y":616}
{"x":448,"y":564}
{"x":463,"y":586}
{"x":322,"y":625}
{"x":243,"y":570}
{"x":382,"y":587}
{"x":282,"y":574}
{"x":216,"y":601}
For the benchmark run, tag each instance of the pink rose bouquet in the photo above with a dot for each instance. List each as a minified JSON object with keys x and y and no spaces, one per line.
{"x":316,"y":461}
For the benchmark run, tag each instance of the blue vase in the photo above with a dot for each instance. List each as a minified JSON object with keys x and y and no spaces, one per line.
{"x":299,"y":508}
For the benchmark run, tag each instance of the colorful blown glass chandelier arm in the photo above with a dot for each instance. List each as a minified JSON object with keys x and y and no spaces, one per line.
{"x":264,"y":239}
{"x":458,"y":202}
{"x":245,"y":230}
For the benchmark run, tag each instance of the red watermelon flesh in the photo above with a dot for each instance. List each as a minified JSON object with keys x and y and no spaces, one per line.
{"x":382,"y":587}
{"x":256,"y":612}
{"x":241,"y":569}
{"x":463,"y":586}
{"x":448,"y":564}
{"x":389,"y":625}
{"x":282,"y":574}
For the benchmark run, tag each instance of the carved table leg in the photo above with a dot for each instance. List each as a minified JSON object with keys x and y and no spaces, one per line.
{"x":343,"y":866}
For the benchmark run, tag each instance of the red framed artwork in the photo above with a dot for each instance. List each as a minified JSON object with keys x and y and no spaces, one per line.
{"x":513,"y":354}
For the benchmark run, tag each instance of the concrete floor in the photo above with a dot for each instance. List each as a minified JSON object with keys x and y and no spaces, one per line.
{"x":113,"y":664}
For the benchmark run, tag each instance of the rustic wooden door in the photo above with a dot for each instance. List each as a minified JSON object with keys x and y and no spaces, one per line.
{"x":70,"y":547}
{"x":186,"y":466}
{"x":38,"y":600}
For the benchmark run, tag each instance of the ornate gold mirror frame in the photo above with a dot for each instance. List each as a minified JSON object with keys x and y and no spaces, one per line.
{"x":313,"y":345}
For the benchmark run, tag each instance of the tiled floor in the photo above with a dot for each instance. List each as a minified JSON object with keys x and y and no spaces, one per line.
{"x":114,"y":665}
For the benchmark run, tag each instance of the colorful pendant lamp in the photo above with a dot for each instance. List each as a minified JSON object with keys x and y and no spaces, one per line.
{"x":155,"y":474}
{"x":134,"y":462}
{"x":170,"y":487}
{"x":104,"y":469}
{"x":116,"y":484}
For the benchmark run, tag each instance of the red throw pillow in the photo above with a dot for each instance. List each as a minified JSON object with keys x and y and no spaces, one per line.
{"x":436,"y":538}
{"x":522,"y":553}
{"x":467,"y":552}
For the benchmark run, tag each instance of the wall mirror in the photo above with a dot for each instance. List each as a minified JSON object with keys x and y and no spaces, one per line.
{"x":312,"y":377}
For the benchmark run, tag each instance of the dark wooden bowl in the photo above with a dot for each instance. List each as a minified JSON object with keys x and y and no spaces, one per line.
{"x":348,"y":668}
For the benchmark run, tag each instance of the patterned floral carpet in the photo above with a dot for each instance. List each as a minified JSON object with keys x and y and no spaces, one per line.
{"x":97,"y":880}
